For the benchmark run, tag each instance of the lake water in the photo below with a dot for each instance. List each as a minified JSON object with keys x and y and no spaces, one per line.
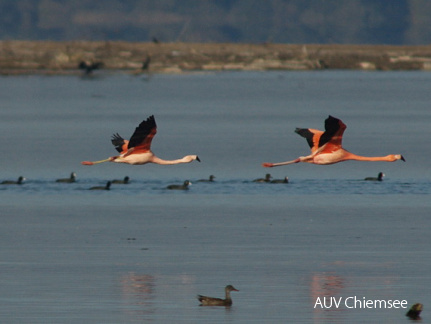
{"x":140,"y":253}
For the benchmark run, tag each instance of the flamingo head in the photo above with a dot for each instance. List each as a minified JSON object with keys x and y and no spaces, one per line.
{"x":395,"y":157}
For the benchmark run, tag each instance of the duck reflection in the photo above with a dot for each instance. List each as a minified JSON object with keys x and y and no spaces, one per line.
{"x":326,"y":284}
{"x":138,"y":293}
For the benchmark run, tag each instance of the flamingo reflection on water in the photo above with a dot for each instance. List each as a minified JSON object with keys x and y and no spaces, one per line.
{"x":137,"y":150}
{"x":326,"y":146}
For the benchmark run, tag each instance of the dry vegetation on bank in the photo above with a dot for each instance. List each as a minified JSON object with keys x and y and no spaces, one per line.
{"x":44,"y":57}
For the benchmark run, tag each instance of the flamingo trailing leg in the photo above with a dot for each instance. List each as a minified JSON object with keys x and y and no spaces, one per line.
{"x":326,"y":147}
{"x":138,"y":149}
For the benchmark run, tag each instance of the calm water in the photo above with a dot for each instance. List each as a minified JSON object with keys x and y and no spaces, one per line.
{"x":140,"y":253}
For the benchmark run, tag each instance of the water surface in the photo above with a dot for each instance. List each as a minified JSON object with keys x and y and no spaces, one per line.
{"x":140,"y":253}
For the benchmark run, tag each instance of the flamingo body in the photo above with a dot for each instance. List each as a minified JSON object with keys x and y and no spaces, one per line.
{"x":326,"y":147}
{"x":137,"y":150}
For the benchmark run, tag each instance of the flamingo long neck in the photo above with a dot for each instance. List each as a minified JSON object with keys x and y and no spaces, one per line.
{"x":186,"y":159}
{"x":387,"y":158}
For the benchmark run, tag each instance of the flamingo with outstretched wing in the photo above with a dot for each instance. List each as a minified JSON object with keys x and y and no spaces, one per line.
{"x":326,"y":147}
{"x":137,"y":150}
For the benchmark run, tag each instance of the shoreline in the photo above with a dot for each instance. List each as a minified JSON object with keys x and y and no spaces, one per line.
{"x":63,"y":58}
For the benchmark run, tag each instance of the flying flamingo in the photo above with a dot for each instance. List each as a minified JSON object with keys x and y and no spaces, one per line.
{"x":326,"y":146}
{"x":137,"y":149}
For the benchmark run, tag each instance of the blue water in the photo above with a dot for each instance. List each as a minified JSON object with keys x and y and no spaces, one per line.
{"x":140,"y":253}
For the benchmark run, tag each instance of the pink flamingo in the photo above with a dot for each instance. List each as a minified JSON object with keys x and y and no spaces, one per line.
{"x":137,"y":149}
{"x":326,"y":146}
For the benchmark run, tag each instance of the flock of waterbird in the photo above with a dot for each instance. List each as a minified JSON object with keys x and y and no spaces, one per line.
{"x":184,"y":186}
{"x":326,"y":148}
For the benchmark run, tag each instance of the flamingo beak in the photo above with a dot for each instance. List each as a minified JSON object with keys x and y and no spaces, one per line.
{"x":197,"y":158}
{"x":403,"y":159}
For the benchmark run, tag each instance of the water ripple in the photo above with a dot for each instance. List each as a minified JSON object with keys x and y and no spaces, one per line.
{"x":228,"y":187}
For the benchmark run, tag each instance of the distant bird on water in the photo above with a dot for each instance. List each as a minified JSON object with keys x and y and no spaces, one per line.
{"x":212,"y":301}
{"x":11,"y":182}
{"x":415,"y":311}
{"x":378,"y":178}
{"x":106,"y":187}
{"x":210,"y":179}
{"x":71,"y":179}
{"x":146,"y":64}
{"x":137,"y":150}
{"x":326,"y":146}
{"x":184,"y":186}
{"x":89,"y":67}
{"x":124,"y":181}
{"x":267,"y":178}
{"x":285,"y":180}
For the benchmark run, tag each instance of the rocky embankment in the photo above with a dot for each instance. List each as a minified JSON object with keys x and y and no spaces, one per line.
{"x":44,"y":57}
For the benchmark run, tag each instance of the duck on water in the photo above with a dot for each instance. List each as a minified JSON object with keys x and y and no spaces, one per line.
{"x":267,"y":178}
{"x":106,"y":187}
{"x":184,"y":186}
{"x":285,"y":180}
{"x":71,"y":179}
{"x":210,"y":179}
{"x":124,"y":181}
{"x":212,"y":301}
{"x":378,"y":178}
{"x":11,"y":182}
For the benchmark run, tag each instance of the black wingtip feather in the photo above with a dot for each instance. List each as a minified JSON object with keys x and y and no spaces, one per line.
{"x":118,"y":142}
{"x":142,"y":131}
{"x":332,"y":125}
{"x":305,"y":132}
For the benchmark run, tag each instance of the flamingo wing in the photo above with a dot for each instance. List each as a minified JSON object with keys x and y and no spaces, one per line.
{"x":334,"y":129}
{"x":327,"y":141}
{"x":333,"y":135}
{"x":120,"y":143}
{"x":143,"y":135}
{"x":312,"y":136}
